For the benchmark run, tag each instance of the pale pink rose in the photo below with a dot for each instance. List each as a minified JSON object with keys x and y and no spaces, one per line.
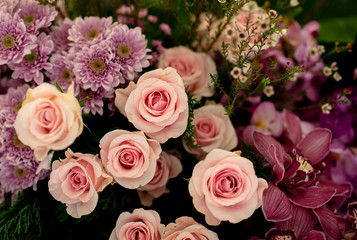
{"x":188,"y":228}
{"x":168,"y":166}
{"x":48,"y":119}
{"x":194,"y":69}
{"x":156,"y":105}
{"x":129,"y":157}
{"x":141,"y":224}
{"x":214,"y":129}
{"x":76,"y":181}
{"x":224,"y":187}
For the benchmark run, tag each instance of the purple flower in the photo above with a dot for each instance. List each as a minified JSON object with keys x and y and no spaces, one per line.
{"x":8,"y":6}
{"x":94,"y":67}
{"x":286,"y":233}
{"x":62,"y":71}
{"x":94,"y":100}
{"x":129,"y":47}
{"x":15,"y":42}
{"x":296,"y":196}
{"x":59,"y":35}
{"x":18,"y":166}
{"x":32,"y":63}
{"x":89,"y":31}
{"x":265,"y":119}
{"x":36,"y":15}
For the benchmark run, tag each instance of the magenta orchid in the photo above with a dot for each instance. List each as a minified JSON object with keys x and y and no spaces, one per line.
{"x":296,"y":199}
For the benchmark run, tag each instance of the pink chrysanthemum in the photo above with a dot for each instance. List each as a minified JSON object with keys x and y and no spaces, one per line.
{"x":62,"y":71}
{"x":35,"y":15}
{"x":29,"y":68}
{"x":8,"y":5}
{"x":15,"y":42}
{"x":94,"y":102}
{"x":89,"y":31}
{"x":129,"y":46}
{"x":18,"y":166}
{"x":59,"y":35}
{"x":94,"y":68}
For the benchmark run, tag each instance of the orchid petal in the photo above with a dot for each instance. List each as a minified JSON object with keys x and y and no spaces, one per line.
{"x":276,"y":206}
{"x":328,"y":222}
{"x":293,"y":127}
{"x":303,"y":221}
{"x":315,"y":145}
{"x":316,"y":235}
{"x":312,"y":197}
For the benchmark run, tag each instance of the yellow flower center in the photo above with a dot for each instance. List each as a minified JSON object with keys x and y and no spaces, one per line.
{"x":31,"y":58}
{"x":20,"y":172}
{"x":97,"y":65}
{"x":261,"y":124}
{"x":7,"y":42}
{"x":124,"y":50}
{"x":29,"y":19}
{"x":92,"y":33}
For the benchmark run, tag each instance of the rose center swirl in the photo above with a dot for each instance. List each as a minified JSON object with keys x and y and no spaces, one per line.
{"x":157,"y":102}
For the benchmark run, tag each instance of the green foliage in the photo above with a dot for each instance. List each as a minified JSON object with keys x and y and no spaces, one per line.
{"x":190,"y":133}
{"x":259,"y":162}
{"x":20,"y":219}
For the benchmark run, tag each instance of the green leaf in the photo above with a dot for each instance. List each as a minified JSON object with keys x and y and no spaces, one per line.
{"x":343,"y":29}
{"x":59,"y":87}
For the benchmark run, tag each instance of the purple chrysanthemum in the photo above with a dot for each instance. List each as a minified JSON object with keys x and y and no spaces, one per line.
{"x":29,"y":68}
{"x":94,"y":102}
{"x":18,"y":166}
{"x":59,"y":35}
{"x":35,"y":15}
{"x":15,"y":42}
{"x":8,"y":5}
{"x":89,"y":31}
{"x":94,"y":68}
{"x":16,"y":176}
{"x":129,"y":46}
{"x":62,"y":71}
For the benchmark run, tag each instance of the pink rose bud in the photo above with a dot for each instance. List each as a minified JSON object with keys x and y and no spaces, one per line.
{"x":129,"y":157}
{"x":76,"y":180}
{"x":188,"y":228}
{"x":214,"y":130}
{"x":224,"y":187}
{"x":168,"y":166}
{"x":194,"y":69}
{"x":165,"y":28}
{"x":141,"y":224}
{"x":156,"y":105}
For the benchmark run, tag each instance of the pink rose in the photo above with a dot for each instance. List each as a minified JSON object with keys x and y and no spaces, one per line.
{"x":214,"y":129}
{"x":48,"y":119}
{"x":224,"y":187}
{"x":129,"y":157}
{"x":188,"y":228}
{"x":76,"y":180}
{"x":194,"y":68}
{"x":168,"y":166}
{"x":141,"y":224}
{"x":156,"y":105}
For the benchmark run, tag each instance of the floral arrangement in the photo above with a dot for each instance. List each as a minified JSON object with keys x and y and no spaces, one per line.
{"x":176,"y":120}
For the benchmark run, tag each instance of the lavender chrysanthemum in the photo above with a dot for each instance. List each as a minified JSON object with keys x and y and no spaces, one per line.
{"x":94,"y":68}
{"x":8,"y":5}
{"x":16,"y":176}
{"x":59,"y":35}
{"x":35,"y":15}
{"x":15,"y":42}
{"x":62,"y":71}
{"x":18,"y":166}
{"x":89,"y":31}
{"x":129,"y":46}
{"x":94,"y":100}
{"x":30,"y":68}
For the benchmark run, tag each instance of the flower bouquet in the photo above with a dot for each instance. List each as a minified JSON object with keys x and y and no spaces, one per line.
{"x":215,"y":119}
